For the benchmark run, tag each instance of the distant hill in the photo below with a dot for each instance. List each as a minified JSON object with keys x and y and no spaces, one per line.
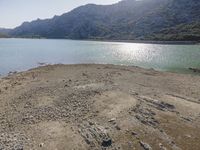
{"x":4,"y":33}
{"x":126,"y":20}
{"x":4,"y":30}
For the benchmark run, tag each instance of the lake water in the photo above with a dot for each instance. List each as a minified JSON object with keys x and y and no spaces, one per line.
{"x":23,"y":54}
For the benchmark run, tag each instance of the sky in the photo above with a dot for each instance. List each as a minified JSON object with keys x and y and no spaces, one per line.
{"x":15,"y":12}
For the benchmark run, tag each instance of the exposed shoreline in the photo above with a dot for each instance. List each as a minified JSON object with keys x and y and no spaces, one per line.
{"x":149,"y":42}
{"x":121,"y":41}
{"x":92,"y":106}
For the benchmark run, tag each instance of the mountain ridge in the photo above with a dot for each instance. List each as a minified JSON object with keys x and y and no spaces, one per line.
{"x":125,"y":20}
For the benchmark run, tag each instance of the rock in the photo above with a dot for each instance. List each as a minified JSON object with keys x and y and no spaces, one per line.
{"x":18,"y":147}
{"x":163,"y":106}
{"x":91,"y":123}
{"x":188,"y":136}
{"x":6,"y":88}
{"x":160,"y":105}
{"x":134,"y":92}
{"x":87,"y":141}
{"x":161,"y":130}
{"x":189,"y":119}
{"x":112,"y":120}
{"x":12,"y":72}
{"x":106,"y":142}
{"x":66,"y":85}
{"x":130,"y":145}
{"x":134,"y":133}
{"x":162,"y":147}
{"x":196,"y":70}
{"x":145,"y":146}
{"x":147,"y":118}
{"x":41,"y":144}
{"x":167,"y":106}
{"x":117,"y":127}
{"x":84,"y":74}
{"x":1,"y":147}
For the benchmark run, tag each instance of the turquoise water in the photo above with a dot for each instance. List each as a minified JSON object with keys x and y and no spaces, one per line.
{"x":23,"y":54}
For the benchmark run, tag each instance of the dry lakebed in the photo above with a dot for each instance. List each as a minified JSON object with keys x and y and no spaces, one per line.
{"x":94,"y":107}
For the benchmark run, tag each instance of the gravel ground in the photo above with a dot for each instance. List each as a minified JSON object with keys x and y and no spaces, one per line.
{"x":92,"y":107}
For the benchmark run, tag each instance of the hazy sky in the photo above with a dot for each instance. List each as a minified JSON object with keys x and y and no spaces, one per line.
{"x":14,"y":12}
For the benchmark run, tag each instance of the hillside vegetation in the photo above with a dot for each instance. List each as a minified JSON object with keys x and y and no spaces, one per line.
{"x":187,"y":32}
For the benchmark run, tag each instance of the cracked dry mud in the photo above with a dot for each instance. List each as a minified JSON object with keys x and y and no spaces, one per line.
{"x":77,"y":107}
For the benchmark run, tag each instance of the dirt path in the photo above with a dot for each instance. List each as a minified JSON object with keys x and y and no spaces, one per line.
{"x":77,"y":107}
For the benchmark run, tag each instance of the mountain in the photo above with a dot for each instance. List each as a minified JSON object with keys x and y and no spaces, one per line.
{"x":4,"y":30}
{"x":125,"y":20}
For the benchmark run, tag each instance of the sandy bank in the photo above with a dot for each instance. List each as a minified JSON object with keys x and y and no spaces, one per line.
{"x":99,"y":107}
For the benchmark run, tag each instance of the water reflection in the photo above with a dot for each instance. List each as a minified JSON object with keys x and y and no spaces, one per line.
{"x":23,"y":54}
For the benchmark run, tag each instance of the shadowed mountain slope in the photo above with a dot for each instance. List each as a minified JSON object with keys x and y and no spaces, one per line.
{"x":126,"y":20}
